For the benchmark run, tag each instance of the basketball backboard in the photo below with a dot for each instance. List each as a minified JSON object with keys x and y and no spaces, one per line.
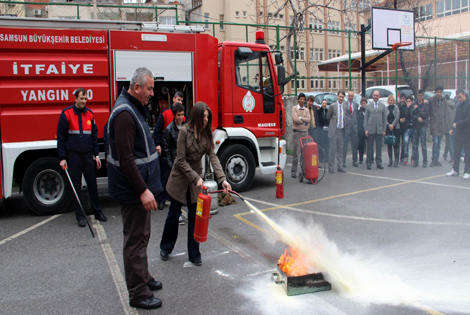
{"x":391,"y":26}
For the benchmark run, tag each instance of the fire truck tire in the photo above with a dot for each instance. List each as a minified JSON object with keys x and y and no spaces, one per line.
{"x":45,"y":187}
{"x":239,"y":166}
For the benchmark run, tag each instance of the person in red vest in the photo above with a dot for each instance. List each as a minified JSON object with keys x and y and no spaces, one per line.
{"x":77,"y":145}
{"x":165,"y":118}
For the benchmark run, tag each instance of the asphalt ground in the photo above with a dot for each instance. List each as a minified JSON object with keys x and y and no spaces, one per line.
{"x":404,"y":223}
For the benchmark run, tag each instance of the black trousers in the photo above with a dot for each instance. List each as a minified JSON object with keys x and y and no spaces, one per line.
{"x":395,"y":148}
{"x":377,"y":138}
{"x":324,"y":143}
{"x":361,"y":144}
{"x":170,"y":230}
{"x":460,"y":143}
{"x":136,"y":229}
{"x":78,"y":164}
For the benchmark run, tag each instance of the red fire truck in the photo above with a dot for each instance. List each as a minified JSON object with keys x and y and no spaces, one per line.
{"x":43,"y":61}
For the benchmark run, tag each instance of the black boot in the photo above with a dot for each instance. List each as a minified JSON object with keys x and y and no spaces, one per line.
{"x":390,"y":156}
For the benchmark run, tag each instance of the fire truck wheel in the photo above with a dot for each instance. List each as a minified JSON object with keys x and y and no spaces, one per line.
{"x":45,"y":187}
{"x":239,"y":166}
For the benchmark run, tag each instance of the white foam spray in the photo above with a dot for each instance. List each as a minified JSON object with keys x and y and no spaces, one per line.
{"x":349,"y":275}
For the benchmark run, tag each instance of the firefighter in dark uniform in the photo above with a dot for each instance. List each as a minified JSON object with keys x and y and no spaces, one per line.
{"x":77,"y":145}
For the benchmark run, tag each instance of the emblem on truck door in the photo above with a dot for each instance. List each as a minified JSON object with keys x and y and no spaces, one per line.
{"x":248,"y":102}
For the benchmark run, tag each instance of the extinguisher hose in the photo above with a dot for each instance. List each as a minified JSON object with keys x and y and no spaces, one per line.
{"x":230,"y":191}
{"x":324,"y":163}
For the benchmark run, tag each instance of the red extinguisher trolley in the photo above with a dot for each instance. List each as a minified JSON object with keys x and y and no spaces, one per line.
{"x":309,"y":160}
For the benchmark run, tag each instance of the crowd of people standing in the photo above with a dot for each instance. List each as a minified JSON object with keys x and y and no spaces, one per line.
{"x":370,"y":124}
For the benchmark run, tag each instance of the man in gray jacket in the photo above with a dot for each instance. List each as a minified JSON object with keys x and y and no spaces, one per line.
{"x":375,"y":123}
{"x":350,"y":128}
{"x":336,"y":132}
{"x":437,"y":115}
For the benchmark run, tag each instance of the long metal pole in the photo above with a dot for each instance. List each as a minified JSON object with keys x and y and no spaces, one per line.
{"x":363,"y":60}
{"x":79,"y":203}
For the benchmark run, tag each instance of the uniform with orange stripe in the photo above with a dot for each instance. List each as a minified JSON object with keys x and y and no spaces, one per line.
{"x":77,"y":145}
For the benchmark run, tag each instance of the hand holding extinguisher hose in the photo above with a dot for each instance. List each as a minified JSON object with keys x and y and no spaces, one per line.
{"x":64,"y":167}
{"x":225,"y":185}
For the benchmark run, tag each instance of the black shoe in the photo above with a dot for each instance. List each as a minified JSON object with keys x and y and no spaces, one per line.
{"x":380,"y":167}
{"x":340,"y":170}
{"x":149,"y":303}
{"x":415,"y":165}
{"x":161,"y":205}
{"x":163,"y":255}
{"x":331,"y":170}
{"x":390,"y":164}
{"x":355,"y":164}
{"x":368,"y":167}
{"x":294,"y":175}
{"x":154,"y":285}
{"x":197,"y":262}
{"x":395,"y":164}
{"x":432,"y":164}
{"x":344,"y":165}
{"x":81,"y":223}
{"x":319,"y":166}
{"x":437,"y":163}
{"x":360,"y":161}
{"x":425,"y":165}
{"x":100,"y":217}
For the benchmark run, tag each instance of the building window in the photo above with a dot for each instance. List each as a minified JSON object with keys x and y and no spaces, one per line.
{"x":329,"y":53}
{"x":260,"y":13}
{"x":222,"y":26}
{"x":321,"y":54}
{"x":337,"y":28}
{"x":167,"y":20}
{"x":318,"y":25}
{"x":310,"y":24}
{"x":424,"y":12}
{"x":281,"y":16}
{"x":312,"y":83}
{"x":302,"y":84}
{"x":237,"y":14}
{"x":206,"y":20}
{"x":291,"y":18}
{"x":282,"y":48}
{"x":311,"y":54}
{"x":329,"y":84}
{"x":321,"y":84}
{"x":302,"y":53}
{"x":270,"y":15}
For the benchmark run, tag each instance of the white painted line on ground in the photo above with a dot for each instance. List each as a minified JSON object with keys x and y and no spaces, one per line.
{"x":29,"y":229}
{"x":342,"y":216}
{"x":114,"y":268}
{"x":404,"y":180}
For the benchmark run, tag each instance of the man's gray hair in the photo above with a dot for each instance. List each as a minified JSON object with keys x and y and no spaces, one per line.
{"x":140,"y":76}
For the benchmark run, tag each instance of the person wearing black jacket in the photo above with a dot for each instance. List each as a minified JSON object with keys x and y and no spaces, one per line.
{"x":407,"y":128}
{"x":461,"y":132}
{"x":402,"y":108}
{"x":361,"y":133}
{"x":170,"y":137}
{"x":419,"y":116}
{"x":77,"y":145}
{"x":322,"y":132}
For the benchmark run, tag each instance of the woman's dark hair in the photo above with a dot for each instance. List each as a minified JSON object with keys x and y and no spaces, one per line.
{"x":196,"y":122}
{"x":363,"y":100}
{"x":78,"y":91}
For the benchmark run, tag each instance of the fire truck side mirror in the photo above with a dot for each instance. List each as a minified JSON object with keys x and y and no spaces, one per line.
{"x":244,"y":52}
{"x":278,"y":59}
{"x":281,"y":75}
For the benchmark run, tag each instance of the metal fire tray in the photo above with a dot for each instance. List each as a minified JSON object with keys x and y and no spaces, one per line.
{"x":310,"y":283}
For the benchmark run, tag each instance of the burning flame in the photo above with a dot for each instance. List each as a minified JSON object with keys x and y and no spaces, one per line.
{"x":293,"y":263}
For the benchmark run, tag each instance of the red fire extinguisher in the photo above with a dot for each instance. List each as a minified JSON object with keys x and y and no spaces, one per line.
{"x":203,"y":210}
{"x":279,"y":182}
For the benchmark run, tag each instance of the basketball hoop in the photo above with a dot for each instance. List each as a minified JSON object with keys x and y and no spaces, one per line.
{"x":401,"y":44}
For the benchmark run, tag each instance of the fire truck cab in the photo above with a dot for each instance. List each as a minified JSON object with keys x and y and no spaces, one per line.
{"x":43,"y":61}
